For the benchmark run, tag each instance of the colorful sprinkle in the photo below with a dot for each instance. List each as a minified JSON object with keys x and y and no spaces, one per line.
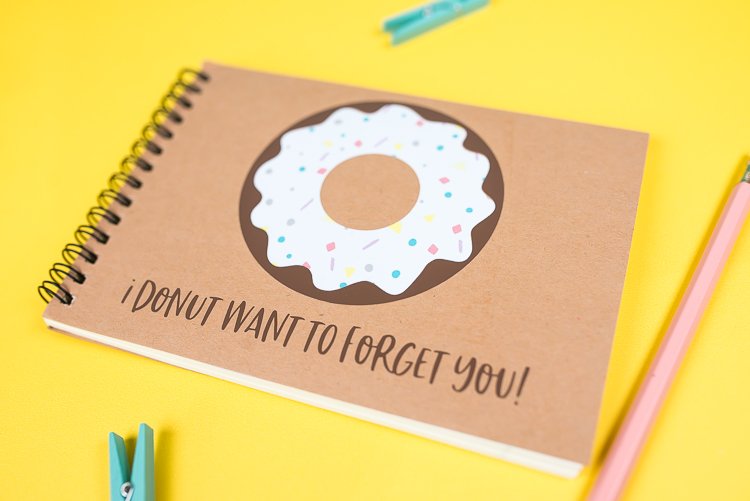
{"x":281,"y":240}
{"x":342,"y":285}
{"x":290,"y":222}
{"x":395,"y":273}
{"x":396,"y":227}
{"x":349,"y":271}
{"x":460,"y":246}
{"x":381,"y":141}
{"x":330,"y":246}
{"x":469,"y":210}
{"x":289,"y":256}
{"x":327,"y":144}
{"x":413,"y":242}
{"x":302,"y":168}
{"x":420,"y":123}
{"x":333,"y":261}
{"x":371,"y":244}
{"x":368,"y":267}
{"x":308,"y":203}
{"x":322,"y":170}
{"x":429,"y":217}
{"x":440,"y":147}
{"x":398,"y":146}
{"x":448,"y":194}
{"x":432,"y":249}
{"x":444,"y":180}
{"x":457,"y":228}
{"x":357,"y":143}
{"x":306,"y":265}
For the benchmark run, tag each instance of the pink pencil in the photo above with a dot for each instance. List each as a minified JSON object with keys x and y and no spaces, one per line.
{"x":635,"y":428}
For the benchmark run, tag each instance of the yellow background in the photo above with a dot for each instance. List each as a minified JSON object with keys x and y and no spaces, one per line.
{"x":79,"y":79}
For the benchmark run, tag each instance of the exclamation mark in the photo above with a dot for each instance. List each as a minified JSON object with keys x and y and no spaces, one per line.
{"x":520,"y":385}
{"x":127,"y":293}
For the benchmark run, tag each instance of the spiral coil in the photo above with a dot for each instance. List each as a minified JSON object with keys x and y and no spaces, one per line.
{"x":177,"y":98}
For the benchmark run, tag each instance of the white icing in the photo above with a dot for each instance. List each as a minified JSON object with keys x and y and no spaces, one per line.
{"x":439,"y":226}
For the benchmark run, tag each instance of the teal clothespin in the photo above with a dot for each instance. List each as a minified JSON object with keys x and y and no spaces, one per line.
{"x":426,"y":17}
{"x":138,"y":485}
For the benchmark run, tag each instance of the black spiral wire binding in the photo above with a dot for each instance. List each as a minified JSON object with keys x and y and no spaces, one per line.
{"x":176,"y":99}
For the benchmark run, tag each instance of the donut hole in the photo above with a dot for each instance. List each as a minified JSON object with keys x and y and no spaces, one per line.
{"x":369,"y":192}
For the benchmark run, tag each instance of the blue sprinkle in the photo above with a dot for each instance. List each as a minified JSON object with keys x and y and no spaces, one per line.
{"x":469,"y":210}
{"x":342,"y":285}
{"x":455,"y":135}
{"x":448,"y":194}
{"x":289,"y":256}
{"x":440,"y":147}
{"x":311,"y":129}
{"x":281,"y":239}
{"x":302,"y":169}
{"x":396,"y":274}
{"x":413,"y":242}
{"x":366,"y":119}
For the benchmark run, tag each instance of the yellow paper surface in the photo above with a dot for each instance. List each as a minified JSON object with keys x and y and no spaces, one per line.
{"x":80,"y":80}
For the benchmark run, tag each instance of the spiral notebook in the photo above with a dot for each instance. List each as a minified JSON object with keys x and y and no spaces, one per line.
{"x":443,"y":269}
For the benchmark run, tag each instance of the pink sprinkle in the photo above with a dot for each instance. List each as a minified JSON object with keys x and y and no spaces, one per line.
{"x":432,"y":249}
{"x":420,"y":123}
{"x":457,"y":228}
{"x":357,"y":143}
{"x":322,"y":170}
{"x":444,"y":180}
{"x":306,"y":265}
{"x":330,"y":246}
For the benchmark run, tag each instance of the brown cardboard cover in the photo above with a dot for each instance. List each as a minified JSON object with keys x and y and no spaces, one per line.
{"x":543,"y":293}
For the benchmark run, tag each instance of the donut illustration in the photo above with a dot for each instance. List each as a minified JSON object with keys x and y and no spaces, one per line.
{"x":299,"y":236}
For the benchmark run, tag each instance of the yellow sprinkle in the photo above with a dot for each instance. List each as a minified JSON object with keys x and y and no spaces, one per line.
{"x":459,"y":166}
{"x":396,"y":227}
{"x":398,"y":146}
{"x":429,"y":218}
{"x":264,"y":228}
{"x":327,"y":144}
{"x":349,"y":271}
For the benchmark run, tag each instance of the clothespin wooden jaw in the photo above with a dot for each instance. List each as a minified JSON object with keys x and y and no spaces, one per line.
{"x":136,"y":484}
{"x":426,"y":17}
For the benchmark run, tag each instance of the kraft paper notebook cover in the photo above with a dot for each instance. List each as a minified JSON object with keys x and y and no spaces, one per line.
{"x":448,"y":270}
